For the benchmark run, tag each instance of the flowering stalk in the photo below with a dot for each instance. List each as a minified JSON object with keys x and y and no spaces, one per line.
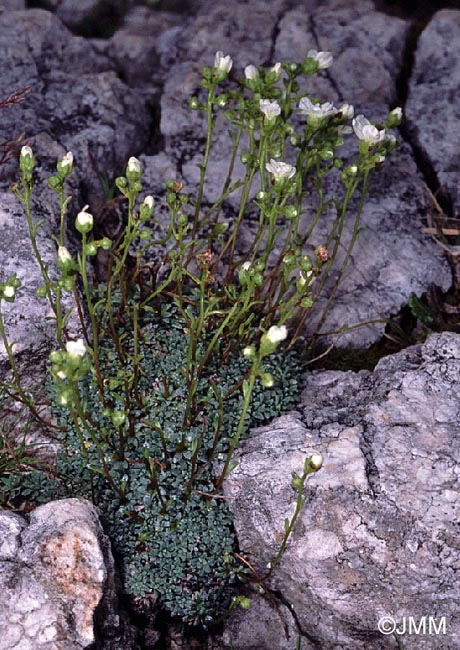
{"x":268,"y":344}
{"x":312,"y":465}
{"x":27,"y":163}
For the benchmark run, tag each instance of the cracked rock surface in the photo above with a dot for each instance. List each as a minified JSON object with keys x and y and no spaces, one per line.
{"x":379,"y":533}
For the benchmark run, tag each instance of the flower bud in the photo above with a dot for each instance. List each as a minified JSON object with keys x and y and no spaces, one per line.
{"x":182,"y":219}
{"x":322,"y":254}
{"x":394,"y":117}
{"x":222,"y":64}
{"x":222,"y":101}
{"x":91,"y":248}
{"x":194,"y":103}
{"x":251,"y":73}
{"x":26,"y":159}
{"x":67,"y":283}
{"x":118,"y":418}
{"x":249,"y":352}
{"x":56,"y":356}
{"x":244,"y":602}
{"x":316,"y":462}
{"x":133,"y":169}
{"x":270,"y":340}
{"x":346,"y":110}
{"x":9,"y":293}
{"x":266,"y":379}
{"x":65,"y":165}
{"x":84,"y":221}
{"x":306,"y":302}
{"x":64,"y":259}
{"x":273,"y":74}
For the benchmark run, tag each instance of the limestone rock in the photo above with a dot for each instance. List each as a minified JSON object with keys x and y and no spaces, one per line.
{"x":367,"y":47}
{"x":81,"y":14}
{"x":77,"y":103}
{"x":143,"y":47}
{"x":432,"y":115}
{"x":266,"y":624}
{"x":378,"y":535}
{"x":12,"y":5}
{"x":57,"y":573}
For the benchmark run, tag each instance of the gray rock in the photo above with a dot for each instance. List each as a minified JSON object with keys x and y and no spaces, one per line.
{"x":12,"y":5}
{"x":431,"y":114}
{"x":76,"y":103}
{"x":378,"y":535}
{"x":56,"y":572}
{"x":143,"y":47}
{"x":266,"y":619}
{"x":83,"y":13}
{"x":367,"y":47}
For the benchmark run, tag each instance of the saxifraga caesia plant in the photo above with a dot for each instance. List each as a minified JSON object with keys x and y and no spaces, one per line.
{"x":181,"y":353}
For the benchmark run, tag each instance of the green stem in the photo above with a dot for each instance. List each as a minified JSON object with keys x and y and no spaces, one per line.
{"x":248,"y":388}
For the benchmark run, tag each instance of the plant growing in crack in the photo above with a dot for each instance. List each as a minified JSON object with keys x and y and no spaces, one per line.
{"x":179,"y":355}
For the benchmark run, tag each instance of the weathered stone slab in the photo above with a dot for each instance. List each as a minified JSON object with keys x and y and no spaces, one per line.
{"x":56,"y":570}
{"x":378,"y":535}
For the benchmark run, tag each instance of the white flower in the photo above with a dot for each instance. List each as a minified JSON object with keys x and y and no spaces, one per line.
{"x":26,"y":152}
{"x":270,"y":109}
{"x":397,"y":112}
{"x":276,"y":68}
{"x":347,"y":111}
{"x":134,"y":166}
{"x":61,"y":374}
{"x":222,"y":63}
{"x":251,"y":73}
{"x":280,"y":170}
{"x":316,"y":462}
{"x":247,"y":265}
{"x":276,"y":334}
{"x":323,"y":59}
{"x":317,"y":111}
{"x":9,"y":291}
{"x":148,"y":202}
{"x":367,"y":131}
{"x":76,"y":349}
{"x":84,"y":221}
